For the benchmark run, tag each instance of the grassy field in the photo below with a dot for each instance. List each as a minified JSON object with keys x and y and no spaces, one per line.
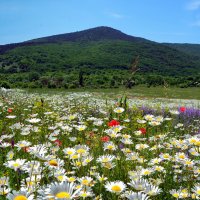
{"x":138,"y":91}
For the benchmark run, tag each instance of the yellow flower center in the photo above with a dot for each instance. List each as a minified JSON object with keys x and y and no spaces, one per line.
{"x":197,"y":143}
{"x":71,"y":117}
{"x":11,"y":156}
{"x":71,"y":179}
{"x":30,"y":183}
{"x":128,"y":151}
{"x":193,"y":196}
{"x":110,"y":147}
{"x":62,"y":195}
{"x":20,"y":197}
{"x":193,"y":140}
{"x":133,"y":158}
{"x":146,"y":173}
{"x":16,"y":165}
{"x":81,"y":129}
{"x":81,"y":151}
{"x":53,"y":163}
{"x":75,"y":156}
{"x":165,"y":156}
{"x":116,"y":188}
{"x":116,"y":129}
{"x":182,"y":156}
{"x":69,"y":152}
{"x":198,"y":192}
{"x":78,"y":163}
{"x":175,"y":195}
{"x":158,"y":168}
{"x":105,"y":160}
{"x":78,"y":186}
{"x":60,"y":178}
{"x":113,"y":135}
{"x":84,"y":194}
{"x":85,"y":182}
{"x":193,"y":152}
{"x":2,"y":182}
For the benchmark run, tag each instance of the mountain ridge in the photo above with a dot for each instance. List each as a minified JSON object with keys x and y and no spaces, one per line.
{"x":97,"y":34}
{"x":99,"y":47}
{"x":92,"y":34}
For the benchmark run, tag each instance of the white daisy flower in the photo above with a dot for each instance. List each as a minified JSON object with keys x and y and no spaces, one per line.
{"x":119,"y":110}
{"x":33,"y":120}
{"x":62,"y":190}
{"x":20,"y":195}
{"x":115,"y":187}
{"x":15,"y":164}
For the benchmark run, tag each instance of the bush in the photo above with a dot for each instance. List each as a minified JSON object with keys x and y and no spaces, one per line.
{"x":34,"y":76}
{"x":51,"y":85}
{"x":33,"y":85}
{"x":183,"y":85}
{"x":5,"y":84}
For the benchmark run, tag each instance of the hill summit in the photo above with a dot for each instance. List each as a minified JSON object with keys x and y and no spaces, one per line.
{"x":93,"y":34}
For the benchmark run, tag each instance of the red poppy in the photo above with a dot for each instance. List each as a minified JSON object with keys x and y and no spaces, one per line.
{"x":113,"y":123}
{"x":10,"y":110}
{"x":105,"y":139}
{"x":182,"y":109}
{"x":58,"y":142}
{"x":143,"y":130}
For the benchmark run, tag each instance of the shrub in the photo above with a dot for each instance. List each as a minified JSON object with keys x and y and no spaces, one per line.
{"x":5,"y":84}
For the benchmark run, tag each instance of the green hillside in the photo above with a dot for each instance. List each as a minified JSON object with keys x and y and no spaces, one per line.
{"x":118,"y":54}
{"x":192,"y":49}
{"x":104,"y":55}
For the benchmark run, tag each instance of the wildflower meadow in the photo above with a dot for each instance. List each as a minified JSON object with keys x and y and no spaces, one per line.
{"x":76,"y":146}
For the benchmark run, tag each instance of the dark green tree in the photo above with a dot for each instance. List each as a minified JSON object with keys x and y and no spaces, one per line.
{"x":34,"y":76}
{"x":81,"y":79}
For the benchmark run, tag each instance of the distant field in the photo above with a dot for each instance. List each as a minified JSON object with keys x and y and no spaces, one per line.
{"x":138,"y":91}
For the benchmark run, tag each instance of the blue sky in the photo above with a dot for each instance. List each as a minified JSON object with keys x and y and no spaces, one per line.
{"x":157,"y":20}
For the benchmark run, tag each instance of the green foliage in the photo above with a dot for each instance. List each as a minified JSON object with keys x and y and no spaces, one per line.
{"x":154,"y":80}
{"x":34,"y":76}
{"x":94,"y":60}
{"x":154,"y":58}
{"x":5,"y":84}
{"x":192,"y":49}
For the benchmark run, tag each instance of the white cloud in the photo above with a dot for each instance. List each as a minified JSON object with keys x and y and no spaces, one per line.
{"x":194,"y":5}
{"x":116,"y":15}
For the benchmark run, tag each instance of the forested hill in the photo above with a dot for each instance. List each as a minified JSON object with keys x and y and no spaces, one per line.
{"x":101,"y":48}
{"x":93,"y":34}
{"x":192,"y":49}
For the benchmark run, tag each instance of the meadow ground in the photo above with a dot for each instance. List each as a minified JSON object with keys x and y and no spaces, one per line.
{"x":100,"y":144}
{"x":138,"y":91}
